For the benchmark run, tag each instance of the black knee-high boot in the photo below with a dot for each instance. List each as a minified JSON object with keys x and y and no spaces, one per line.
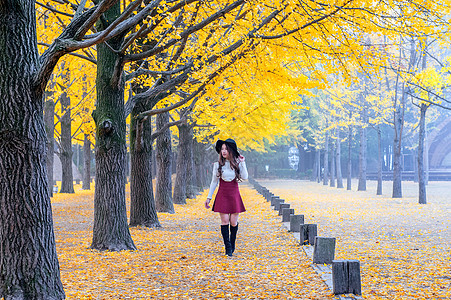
{"x":226,"y":237}
{"x":233,"y":231}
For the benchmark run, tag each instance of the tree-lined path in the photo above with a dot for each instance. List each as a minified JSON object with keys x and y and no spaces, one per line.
{"x":403,"y":247}
{"x":184,"y":258}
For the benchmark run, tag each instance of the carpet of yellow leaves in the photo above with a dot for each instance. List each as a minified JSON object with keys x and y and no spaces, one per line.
{"x":404,"y":248}
{"x":184,"y":259}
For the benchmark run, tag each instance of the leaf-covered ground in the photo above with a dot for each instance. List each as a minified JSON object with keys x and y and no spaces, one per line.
{"x":404,"y":247}
{"x":184,"y":259}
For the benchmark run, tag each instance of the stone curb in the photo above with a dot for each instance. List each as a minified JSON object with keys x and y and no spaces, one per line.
{"x":323,"y":270}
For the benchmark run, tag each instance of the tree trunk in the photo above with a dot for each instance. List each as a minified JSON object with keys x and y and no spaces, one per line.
{"x":415,"y":166}
{"x":191,"y":187}
{"x":338,"y":161}
{"x":49,"y":120}
{"x":397,"y":187}
{"x":153,"y":159}
{"x":332,"y":166}
{"x":362,"y":153}
{"x":326,"y":160}
{"x":87,"y":163}
{"x":379,"y":161}
{"x":349,"y":174}
{"x":318,"y":164}
{"x":65,"y":151}
{"x":200,"y":161}
{"x":110,"y":230}
{"x":182,"y":179}
{"x":28,"y":259}
{"x":142,"y":202}
{"x":398,"y":127}
{"x":197,"y":180}
{"x":421,"y":177}
{"x":163,"y":197}
{"x":315,"y":168}
{"x":426,"y":157}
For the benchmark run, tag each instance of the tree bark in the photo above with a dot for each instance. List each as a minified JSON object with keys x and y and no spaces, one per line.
{"x":421,"y":178}
{"x":338,"y":161}
{"x":349,"y":173}
{"x":379,"y":161}
{"x":201,"y":162}
{"x":110,"y":230}
{"x":163,"y":197}
{"x":65,"y":151}
{"x":191,"y":188}
{"x":326,"y":160}
{"x":142,"y":202}
{"x":143,"y":210}
{"x":426,"y":157}
{"x":28,"y":259}
{"x":332,"y":166}
{"x":315,"y":168}
{"x":49,"y":120}
{"x":362,"y":153}
{"x":398,"y":123}
{"x":87,"y":163}
{"x":397,"y":136}
{"x":415,"y":166}
{"x":318,"y":165}
{"x":184,"y":164}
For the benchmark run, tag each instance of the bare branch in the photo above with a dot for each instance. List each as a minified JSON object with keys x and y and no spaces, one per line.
{"x":90,"y":59}
{"x":428,"y":101}
{"x":54,"y":9}
{"x":165,"y":127}
{"x":101,"y":8}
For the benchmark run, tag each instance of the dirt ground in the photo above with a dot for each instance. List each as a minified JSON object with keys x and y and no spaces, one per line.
{"x":404,"y":247}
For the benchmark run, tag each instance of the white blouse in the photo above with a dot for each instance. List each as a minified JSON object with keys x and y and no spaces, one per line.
{"x":228,"y":174}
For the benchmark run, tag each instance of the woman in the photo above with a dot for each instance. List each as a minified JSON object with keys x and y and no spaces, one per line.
{"x":229,"y":169}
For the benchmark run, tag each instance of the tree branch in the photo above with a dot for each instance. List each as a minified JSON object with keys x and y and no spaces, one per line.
{"x":150,"y":72}
{"x":165,"y":127}
{"x":101,"y":8}
{"x":54,"y":10}
{"x":53,"y":53}
{"x":90,"y":59}
{"x":184,"y":34}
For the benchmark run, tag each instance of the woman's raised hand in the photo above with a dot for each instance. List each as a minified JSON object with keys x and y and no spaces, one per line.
{"x":242,"y":158}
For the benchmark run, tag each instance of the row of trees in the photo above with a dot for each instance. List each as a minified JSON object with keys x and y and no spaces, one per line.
{"x":413,"y":77}
{"x":234,"y":67}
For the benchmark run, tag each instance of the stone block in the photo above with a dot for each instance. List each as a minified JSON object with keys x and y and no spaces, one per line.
{"x":308,"y":234}
{"x":324,"y":250}
{"x":346,"y":277}
{"x":277,"y":204}
{"x":295,"y":222}
{"x":282,"y":206}
{"x":286,"y":213}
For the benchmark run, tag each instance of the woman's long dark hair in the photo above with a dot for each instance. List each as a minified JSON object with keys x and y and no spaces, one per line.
{"x":234,"y":162}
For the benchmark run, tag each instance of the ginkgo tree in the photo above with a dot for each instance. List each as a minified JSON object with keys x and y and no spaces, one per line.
{"x":29,"y":262}
{"x":428,"y":89}
{"x":28,"y":257}
{"x":69,"y":99}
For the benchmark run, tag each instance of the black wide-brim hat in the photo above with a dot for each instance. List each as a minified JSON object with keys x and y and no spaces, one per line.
{"x":231,"y":143}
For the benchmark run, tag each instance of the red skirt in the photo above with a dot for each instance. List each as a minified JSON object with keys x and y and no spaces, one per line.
{"x":228,"y":199}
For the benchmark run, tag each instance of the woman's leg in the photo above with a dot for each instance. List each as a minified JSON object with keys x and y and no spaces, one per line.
{"x":233,"y":229}
{"x":225,"y":218}
{"x":234,"y":219}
